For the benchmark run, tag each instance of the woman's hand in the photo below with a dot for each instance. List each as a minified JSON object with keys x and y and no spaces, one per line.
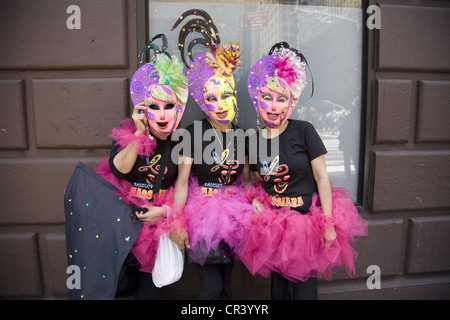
{"x":140,"y":118}
{"x":259,"y":206}
{"x":126,"y":158}
{"x":151,"y":216}
{"x":180,"y":238}
{"x":329,"y":235}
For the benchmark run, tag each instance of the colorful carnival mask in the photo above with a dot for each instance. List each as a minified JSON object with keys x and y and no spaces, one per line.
{"x":211,"y":83}
{"x":275,"y":83}
{"x":219,"y":98}
{"x":274,"y":101}
{"x":161,"y":84}
{"x":163,"y":110}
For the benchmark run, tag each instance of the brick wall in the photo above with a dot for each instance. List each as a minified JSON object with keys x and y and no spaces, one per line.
{"x":62,"y":90}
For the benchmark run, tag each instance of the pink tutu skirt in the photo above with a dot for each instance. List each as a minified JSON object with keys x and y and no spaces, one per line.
{"x":146,"y":244}
{"x":290,"y":243}
{"x":213,"y":218}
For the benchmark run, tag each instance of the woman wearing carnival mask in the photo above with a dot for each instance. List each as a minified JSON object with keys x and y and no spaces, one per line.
{"x":305,"y":227}
{"x":213,"y":198}
{"x":140,"y":163}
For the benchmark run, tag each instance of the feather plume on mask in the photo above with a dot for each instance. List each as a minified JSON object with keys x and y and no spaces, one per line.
{"x":291,"y":68}
{"x":225,"y":58}
{"x":171,"y":73}
{"x":221,"y":59}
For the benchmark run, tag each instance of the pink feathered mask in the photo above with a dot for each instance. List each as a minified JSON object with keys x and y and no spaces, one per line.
{"x":284,"y":63}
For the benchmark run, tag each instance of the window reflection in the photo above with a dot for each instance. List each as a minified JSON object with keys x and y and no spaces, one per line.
{"x":327,"y":32}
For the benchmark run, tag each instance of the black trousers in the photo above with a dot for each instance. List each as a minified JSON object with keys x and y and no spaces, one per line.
{"x":215,"y":281}
{"x":133,"y":282}
{"x":145,"y":288}
{"x":284,"y":289}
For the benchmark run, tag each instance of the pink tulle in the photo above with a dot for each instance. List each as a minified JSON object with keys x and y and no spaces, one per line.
{"x":124,"y":134}
{"x":215,"y":218}
{"x":287,"y":242}
{"x":103,"y":170}
{"x":146,"y":244}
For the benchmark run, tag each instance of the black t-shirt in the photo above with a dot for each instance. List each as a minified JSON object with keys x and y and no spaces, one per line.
{"x":145,"y":170}
{"x":287,"y":173}
{"x":210,"y":164}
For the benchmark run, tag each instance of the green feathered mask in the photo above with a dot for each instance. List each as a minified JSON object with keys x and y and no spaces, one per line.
{"x":170,"y":72}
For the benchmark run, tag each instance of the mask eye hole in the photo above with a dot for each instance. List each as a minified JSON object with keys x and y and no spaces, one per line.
{"x":169,"y":106}
{"x":226,"y":96}
{"x":266,"y":96}
{"x":211,"y":98}
{"x":153,"y":107}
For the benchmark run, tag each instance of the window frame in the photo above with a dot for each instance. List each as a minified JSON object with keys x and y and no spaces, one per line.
{"x":367,"y":76}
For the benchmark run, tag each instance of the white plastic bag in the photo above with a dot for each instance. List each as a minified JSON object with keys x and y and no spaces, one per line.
{"x":169,"y":262}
